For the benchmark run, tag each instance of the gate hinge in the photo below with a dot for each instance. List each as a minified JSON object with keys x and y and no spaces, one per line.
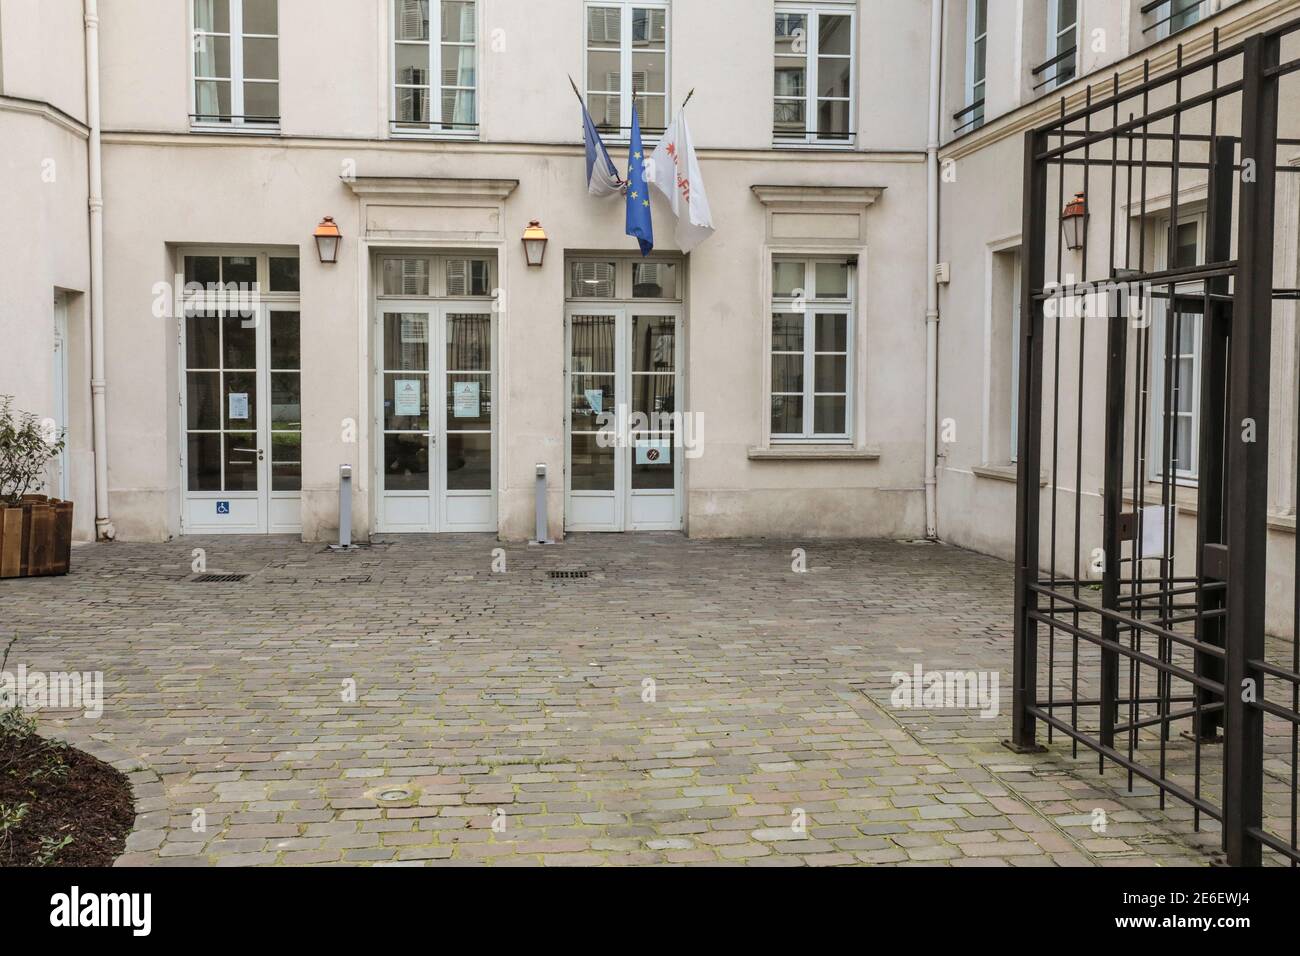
{"x":1214,"y":562}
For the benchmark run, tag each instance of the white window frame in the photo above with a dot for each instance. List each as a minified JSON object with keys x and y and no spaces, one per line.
{"x":1055,"y":31}
{"x":813,"y":13}
{"x":625,"y":77}
{"x":809,"y":305}
{"x":436,"y":126}
{"x":1164,"y":25}
{"x":236,"y":121}
{"x":976,"y":89}
{"x":1016,"y":300}
{"x":1160,"y":315}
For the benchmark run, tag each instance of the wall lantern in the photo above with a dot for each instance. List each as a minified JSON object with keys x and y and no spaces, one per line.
{"x":328,"y":238}
{"x":1074,"y":222}
{"x":534,"y":243}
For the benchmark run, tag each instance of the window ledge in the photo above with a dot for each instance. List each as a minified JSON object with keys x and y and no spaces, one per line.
{"x":814,"y":453}
{"x":231,"y":129}
{"x":1005,"y":472}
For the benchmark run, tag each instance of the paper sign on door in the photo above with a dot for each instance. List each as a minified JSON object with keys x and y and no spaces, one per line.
{"x":406,"y":396}
{"x":1154,"y":531}
{"x":238,"y":406}
{"x":596,"y":399}
{"x":465,"y":403}
{"x":654,"y":451}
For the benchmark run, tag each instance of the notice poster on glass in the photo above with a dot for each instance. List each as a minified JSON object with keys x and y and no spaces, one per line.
{"x":406,"y":396}
{"x":654,"y":451}
{"x":465,"y":402}
{"x":596,"y":399}
{"x":238,"y":407}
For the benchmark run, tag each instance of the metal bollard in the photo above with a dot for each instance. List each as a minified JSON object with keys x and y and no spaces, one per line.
{"x":345,"y":509}
{"x":540,"y":488}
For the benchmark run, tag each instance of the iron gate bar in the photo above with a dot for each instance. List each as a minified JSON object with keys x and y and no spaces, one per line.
{"x":1224,"y":304}
{"x":1247,"y":492}
{"x":1159,"y":663}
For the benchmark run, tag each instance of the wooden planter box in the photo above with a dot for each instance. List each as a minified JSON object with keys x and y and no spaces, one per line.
{"x":35,"y":537}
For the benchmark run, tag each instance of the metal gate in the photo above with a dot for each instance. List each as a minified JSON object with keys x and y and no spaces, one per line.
{"x":1156,"y":620}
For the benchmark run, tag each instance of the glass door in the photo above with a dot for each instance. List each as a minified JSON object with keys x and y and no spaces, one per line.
{"x":436,"y":436}
{"x":466,"y":420}
{"x":624,"y":468}
{"x":282,"y":380}
{"x":654,"y":465}
{"x":222,"y":456}
{"x":594,"y":473}
{"x":241,"y":408}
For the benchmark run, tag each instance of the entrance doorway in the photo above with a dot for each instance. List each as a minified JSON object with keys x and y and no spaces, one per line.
{"x":58,"y":486}
{"x":624,"y":468}
{"x":434,"y":342}
{"x":241,"y":395}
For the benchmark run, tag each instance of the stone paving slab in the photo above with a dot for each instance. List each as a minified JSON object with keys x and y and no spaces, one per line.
{"x":688,"y":702}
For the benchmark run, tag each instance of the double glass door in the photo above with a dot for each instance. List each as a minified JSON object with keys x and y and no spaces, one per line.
{"x":241,"y":412}
{"x":623,"y":469}
{"x":435,"y":434}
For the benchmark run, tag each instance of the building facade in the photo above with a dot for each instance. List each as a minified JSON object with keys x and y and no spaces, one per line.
{"x":780,"y":370}
{"x":432,"y":133}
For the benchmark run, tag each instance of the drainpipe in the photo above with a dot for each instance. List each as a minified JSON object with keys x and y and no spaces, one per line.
{"x":103,"y":526}
{"x":931,"y":281}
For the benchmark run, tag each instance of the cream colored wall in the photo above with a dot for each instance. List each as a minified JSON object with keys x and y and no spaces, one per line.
{"x":282,"y":193}
{"x":43,"y":247}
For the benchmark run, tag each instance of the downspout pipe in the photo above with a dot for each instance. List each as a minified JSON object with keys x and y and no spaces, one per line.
{"x":104,"y":530}
{"x":931,"y":279}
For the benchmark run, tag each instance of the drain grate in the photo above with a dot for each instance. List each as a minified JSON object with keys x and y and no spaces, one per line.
{"x":553,"y":575}
{"x":217,"y":578}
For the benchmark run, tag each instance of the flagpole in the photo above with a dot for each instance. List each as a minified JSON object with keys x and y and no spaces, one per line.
{"x":579,"y":95}
{"x":685,"y":101}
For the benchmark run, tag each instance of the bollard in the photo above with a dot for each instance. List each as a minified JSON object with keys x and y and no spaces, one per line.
{"x":540,"y":487}
{"x":345,"y":509}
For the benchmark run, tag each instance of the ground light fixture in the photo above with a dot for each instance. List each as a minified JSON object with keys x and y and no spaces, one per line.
{"x":1074,"y":222}
{"x":328,"y":237}
{"x":535,"y":242}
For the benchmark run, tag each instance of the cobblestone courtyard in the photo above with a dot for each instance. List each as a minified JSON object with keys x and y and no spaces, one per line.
{"x":519,"y":700}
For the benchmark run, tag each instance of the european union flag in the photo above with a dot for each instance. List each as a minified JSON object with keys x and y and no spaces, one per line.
{"x":639,"y":222}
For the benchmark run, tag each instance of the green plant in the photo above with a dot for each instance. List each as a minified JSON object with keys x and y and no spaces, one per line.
{"x":27,"y":445}
{"x":50,"y":848}
{"x":11,"y":818}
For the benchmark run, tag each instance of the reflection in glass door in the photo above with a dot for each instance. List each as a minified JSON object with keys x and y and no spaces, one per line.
{"x":242,"y":453}
{"x":624,"y":467}
{"x":435,"y":437}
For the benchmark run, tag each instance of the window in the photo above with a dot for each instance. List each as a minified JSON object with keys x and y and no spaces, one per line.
{"x":1062,"y":30}
{"x":450,"y":276}
{"x":1176,"y":351}
{"x":1170,"y":16}
{"x":236,"y":64}
{"x":813,"y":99}
{"x":627,"y":62}
{"x":812,"y":331}
{"x":624,"y":277}
{"x":977,"y":47}
{"x":435,"y":79}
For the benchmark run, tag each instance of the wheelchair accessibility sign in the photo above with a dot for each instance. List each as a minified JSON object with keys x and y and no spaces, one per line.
{"x":223,"y":507}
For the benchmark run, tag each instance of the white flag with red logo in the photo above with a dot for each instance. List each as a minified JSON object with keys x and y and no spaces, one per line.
{"x":676,"y":171}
